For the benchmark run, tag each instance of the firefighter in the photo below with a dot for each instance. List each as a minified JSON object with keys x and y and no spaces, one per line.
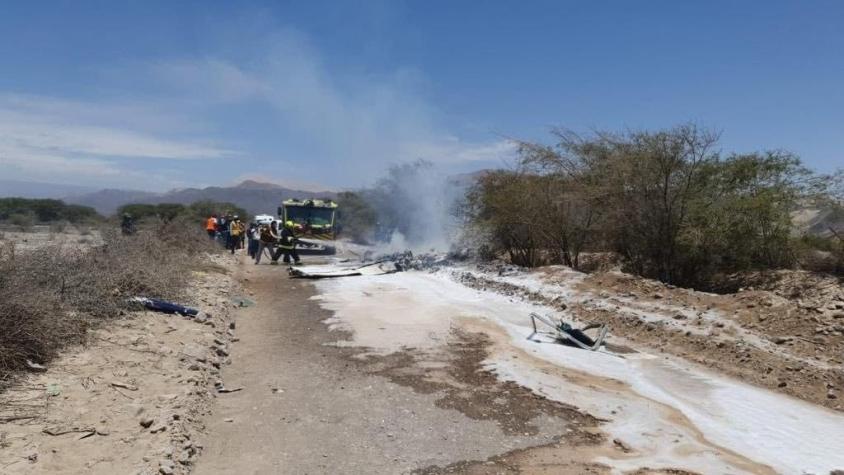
{"x":287,"y":245}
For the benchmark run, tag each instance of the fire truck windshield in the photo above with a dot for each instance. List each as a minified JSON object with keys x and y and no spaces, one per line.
{"x":309,"y":216}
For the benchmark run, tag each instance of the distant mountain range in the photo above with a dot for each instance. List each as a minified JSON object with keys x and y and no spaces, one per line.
{"x":253,"y":196}
{"x":32,"y":189}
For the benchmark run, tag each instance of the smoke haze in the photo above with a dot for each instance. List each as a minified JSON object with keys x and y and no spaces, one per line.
{"x":414,"y":203}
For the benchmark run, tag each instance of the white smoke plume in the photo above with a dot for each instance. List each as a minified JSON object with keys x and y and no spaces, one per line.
{"x":415,"y":205}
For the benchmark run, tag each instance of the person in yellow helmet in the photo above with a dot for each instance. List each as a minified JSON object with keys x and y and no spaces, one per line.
{"x":287,"y":244}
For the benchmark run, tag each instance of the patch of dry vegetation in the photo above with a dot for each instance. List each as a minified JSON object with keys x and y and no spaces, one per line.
{"x":667,"y":203}
{"x":51,"y":296}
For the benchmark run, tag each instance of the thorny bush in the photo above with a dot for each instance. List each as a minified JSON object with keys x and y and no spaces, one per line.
{"x":52,"y":295}
{"x":666,"y":202}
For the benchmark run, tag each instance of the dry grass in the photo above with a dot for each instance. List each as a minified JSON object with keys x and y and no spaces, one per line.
{"x":51,"y":296}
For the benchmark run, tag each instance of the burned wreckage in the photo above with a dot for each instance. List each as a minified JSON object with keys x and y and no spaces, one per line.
{"x":556,"y":331}
{"x":564,"y":333}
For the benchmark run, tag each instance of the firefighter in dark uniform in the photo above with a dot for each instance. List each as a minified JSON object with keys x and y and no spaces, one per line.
{"x":287,"y":244}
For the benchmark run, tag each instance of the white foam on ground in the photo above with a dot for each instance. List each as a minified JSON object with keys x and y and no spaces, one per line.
{"x":565,"y":282}
{"x":413,"y":309}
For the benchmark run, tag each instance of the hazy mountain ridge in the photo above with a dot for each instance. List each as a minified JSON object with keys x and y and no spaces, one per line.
{"x":30,"y":189}
{"x":253,"y":196}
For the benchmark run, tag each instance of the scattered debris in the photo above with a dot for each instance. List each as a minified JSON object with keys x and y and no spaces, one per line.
{"x":323,"y":272}
{"x":120,"y":384}
{"x":163,"y":306}
{"x":565,"y":333}
{"x":60,"y":430}
{"x":221,"y":388}
{"x":228,"y":390}
{"x":35,"y":367}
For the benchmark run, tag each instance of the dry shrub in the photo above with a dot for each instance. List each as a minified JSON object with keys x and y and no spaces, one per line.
{"x":53,"y":294}
{"x":34,"y":323}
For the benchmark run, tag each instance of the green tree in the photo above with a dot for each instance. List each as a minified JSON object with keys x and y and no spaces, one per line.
{"x":664,"y":201}
{"x":200,"y":210}
{"x":46,"y":210}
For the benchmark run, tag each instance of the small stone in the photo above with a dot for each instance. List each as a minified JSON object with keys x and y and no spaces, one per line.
{"x":831,"y":394}
{"x":184,"y":457}
{"x":146,"y":422}
{"x":621,"y":445}
{"x":158,"y":428}
{"x":779,"y":340}
{"x":231,"y":325}
{"x":165,"y":467}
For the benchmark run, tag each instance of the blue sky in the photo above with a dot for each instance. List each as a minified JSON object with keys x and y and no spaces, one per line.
{"x":156,"y":95}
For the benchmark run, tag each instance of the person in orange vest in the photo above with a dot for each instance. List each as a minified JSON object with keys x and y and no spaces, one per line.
{"x":211,"y":226}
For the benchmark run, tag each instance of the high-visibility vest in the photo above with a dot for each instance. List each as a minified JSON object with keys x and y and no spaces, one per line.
{"x":211,"y":224}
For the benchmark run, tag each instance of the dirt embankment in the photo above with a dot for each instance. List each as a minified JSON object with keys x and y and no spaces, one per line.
{"x":132,"y":400}
{"x":787,"y":336}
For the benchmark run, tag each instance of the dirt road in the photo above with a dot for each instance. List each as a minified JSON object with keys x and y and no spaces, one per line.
{"x":416,"y":373}
{"x":409,"y":372}
{"x":309,"y":406}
